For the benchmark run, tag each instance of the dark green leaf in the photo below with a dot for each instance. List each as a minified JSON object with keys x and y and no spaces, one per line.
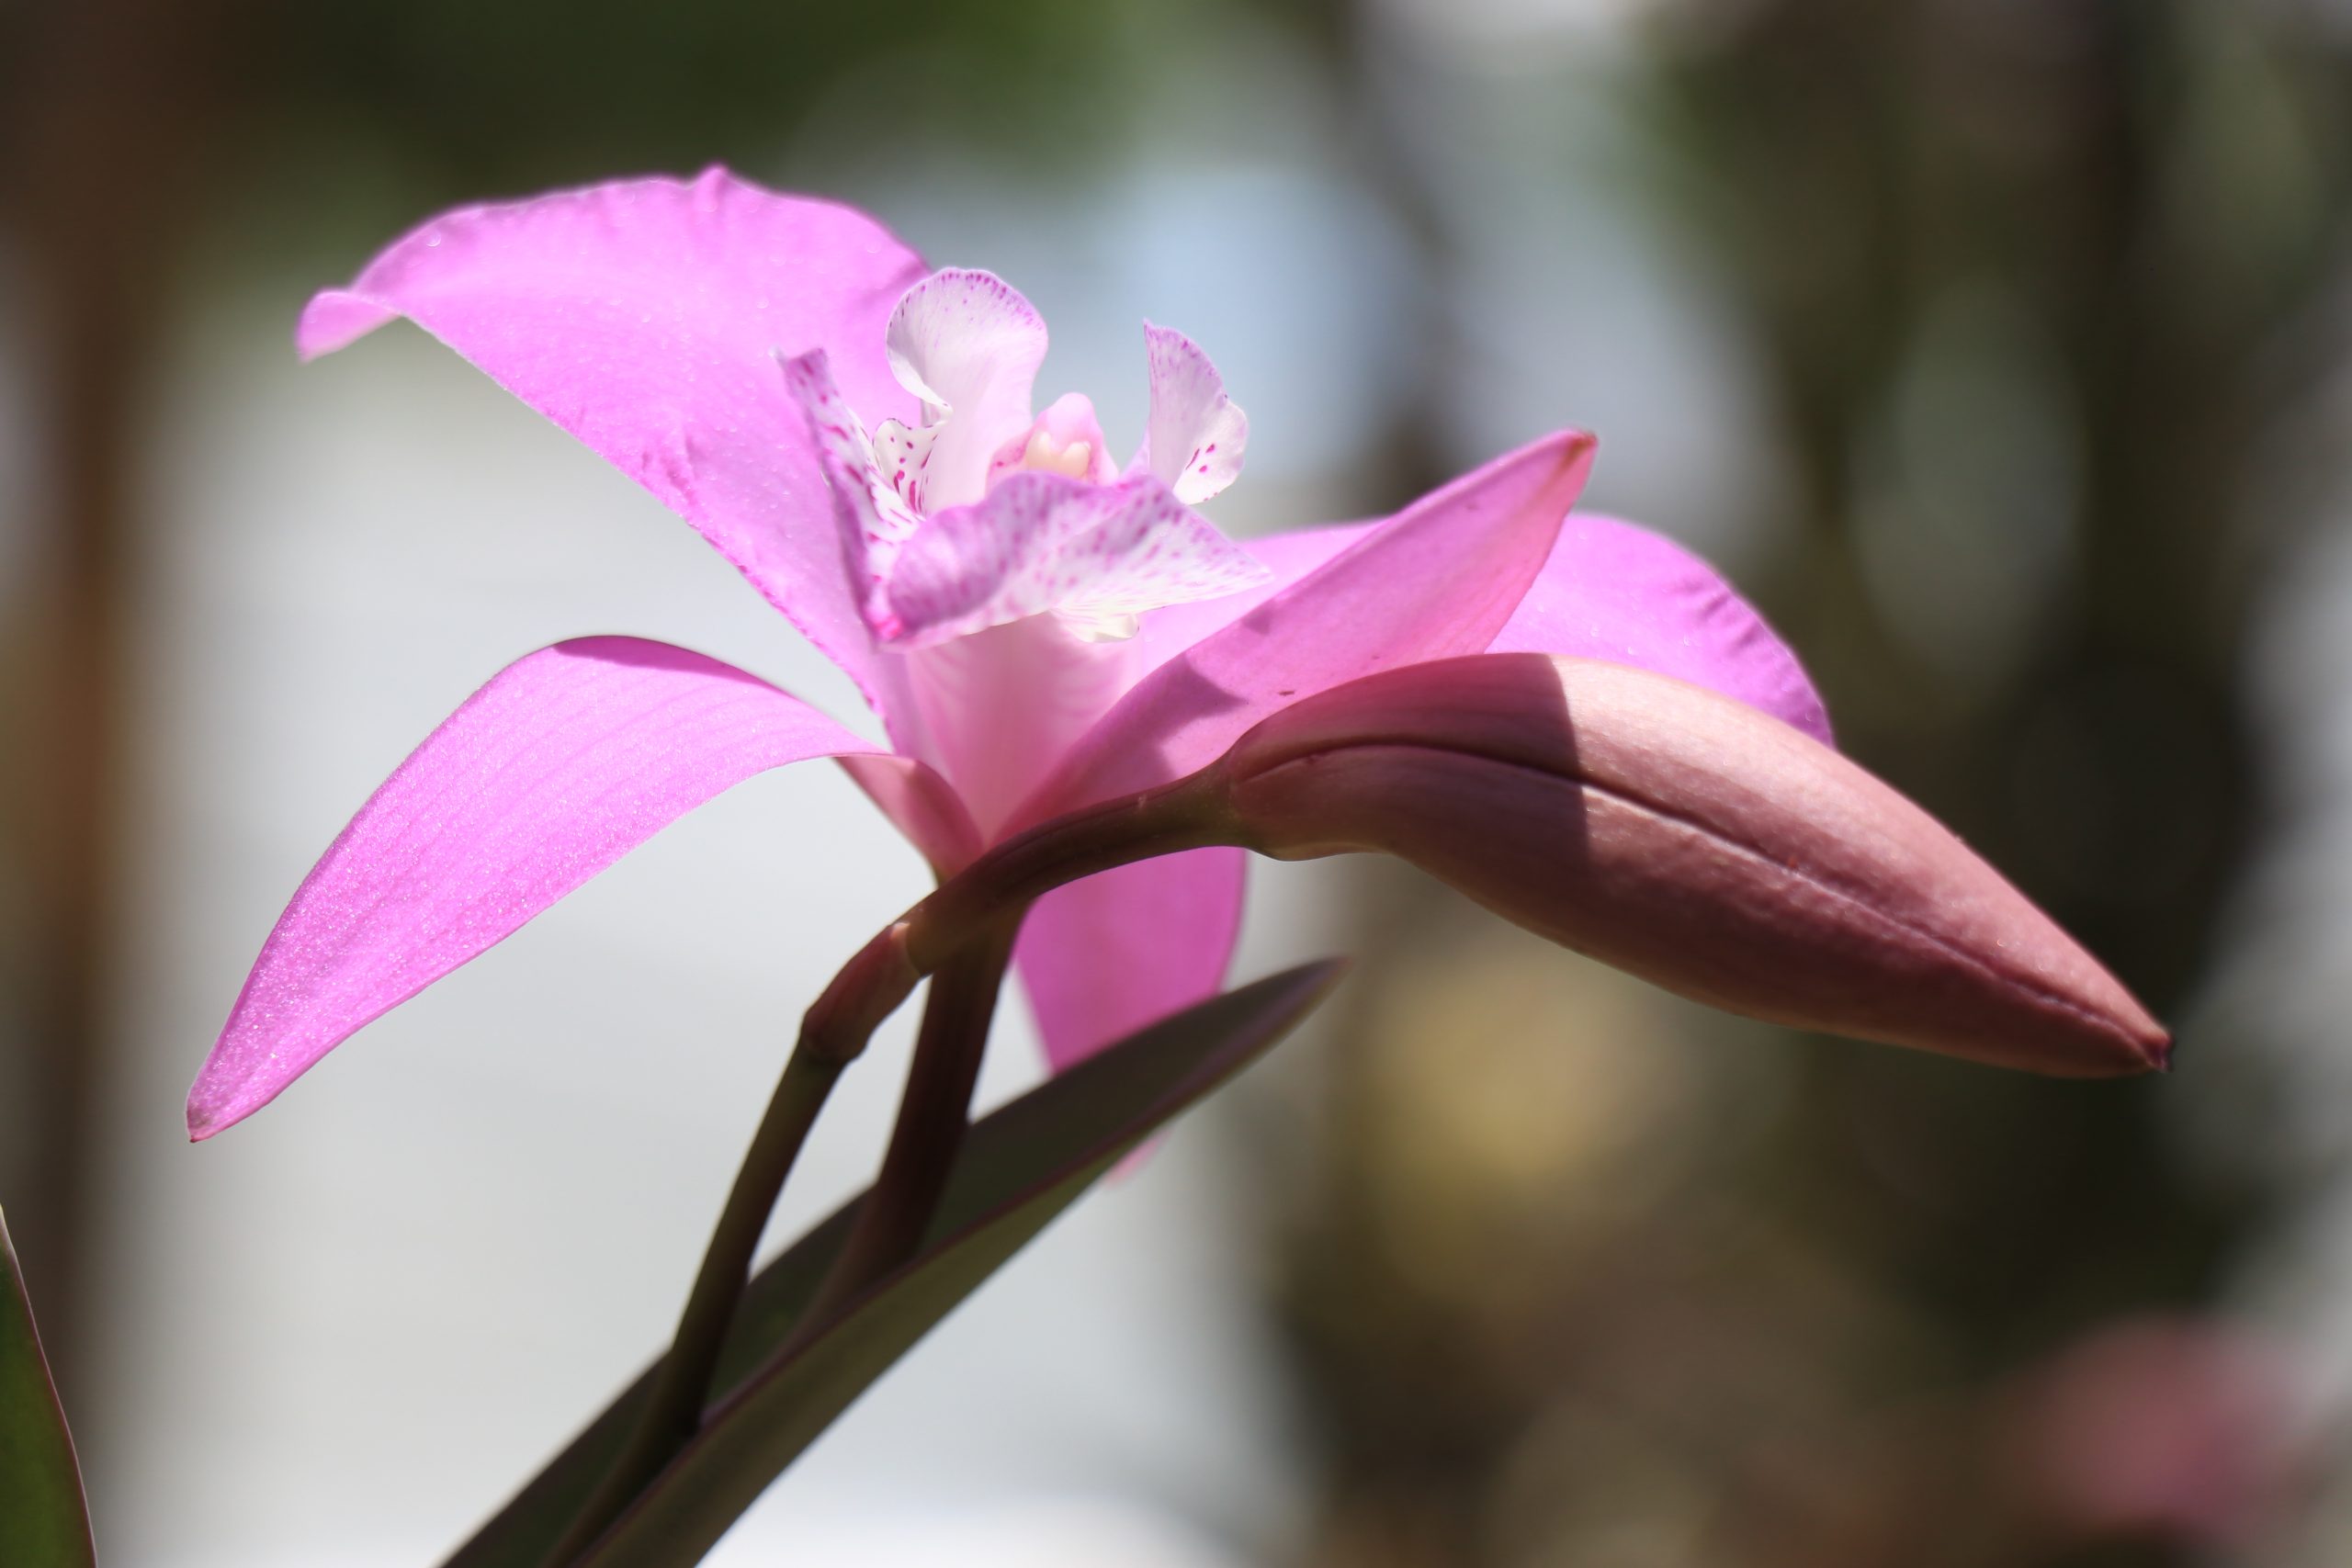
{"x":1019,"y":1168}
{"x":43,"y":1522}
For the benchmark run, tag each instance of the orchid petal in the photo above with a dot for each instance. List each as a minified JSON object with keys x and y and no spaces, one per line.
{"x":969,"y":345}
{"x":566,"y":760}
{"x":901,"y":454}
{"x":874,"y":520}
{"x":1610,"y":590}
{"x":1166,"y":632}
{"x":1694,"y":841}
{"x":1192,"y":442}
{"x":1103,"y":956}
{"x":923,"y":804}
{"x":1615,"y":592}
{"x":994,"y":710}
{"x":1441,"y":578}
{"x":643,"y":318}
{"x":1096,"y":554}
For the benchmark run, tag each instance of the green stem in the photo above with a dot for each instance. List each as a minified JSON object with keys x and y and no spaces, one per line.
{"x":674,"y":1405}
{"x":963,"y":935}
{"x":934,"y":1113}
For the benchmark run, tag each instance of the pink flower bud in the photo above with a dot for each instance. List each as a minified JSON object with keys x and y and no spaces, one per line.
{"x":1695,"y":841}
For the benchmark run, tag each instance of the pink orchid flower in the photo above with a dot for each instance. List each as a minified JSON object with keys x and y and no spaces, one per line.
{"x":1039,"y":629}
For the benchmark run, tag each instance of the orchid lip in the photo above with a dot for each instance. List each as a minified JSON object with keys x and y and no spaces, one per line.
{"x":1051,"y":530}
{"x":1005,"y":607}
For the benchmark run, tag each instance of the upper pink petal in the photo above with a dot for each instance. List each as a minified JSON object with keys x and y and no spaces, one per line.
{"x":1610,"y":590}
{"x":1192,"y":442}
{"x":645,"y":317}
{"x":1103,"y":956}
{"x":1441,"y":578}
{"x":566,"y":760}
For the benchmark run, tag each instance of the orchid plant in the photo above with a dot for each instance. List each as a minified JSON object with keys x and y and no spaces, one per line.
{"x":1097,"y":706}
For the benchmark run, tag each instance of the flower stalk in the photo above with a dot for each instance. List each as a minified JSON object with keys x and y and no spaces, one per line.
{"x":998,"y":887}
{"x":962,"y":936}
{"x":682,"y":1385}
{"x":933,"y":1112}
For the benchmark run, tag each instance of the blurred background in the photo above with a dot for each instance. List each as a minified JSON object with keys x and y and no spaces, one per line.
{"x":2000,"y":349}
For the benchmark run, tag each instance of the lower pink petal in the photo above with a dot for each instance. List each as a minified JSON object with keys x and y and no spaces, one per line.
{"x":1105,"y":955}
{"x":567,"y":759}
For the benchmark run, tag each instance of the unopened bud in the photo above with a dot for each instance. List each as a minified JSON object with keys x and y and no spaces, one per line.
{"x":1694,"y":841}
